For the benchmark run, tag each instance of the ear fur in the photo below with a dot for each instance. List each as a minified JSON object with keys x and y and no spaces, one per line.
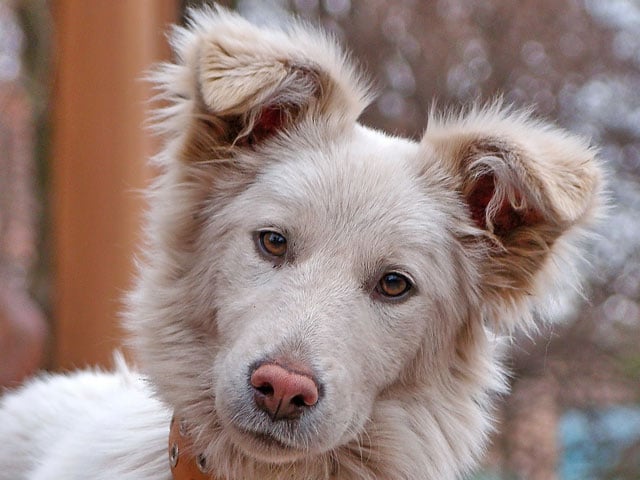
{"x":235,"y":84}
{"x":529,"y":190}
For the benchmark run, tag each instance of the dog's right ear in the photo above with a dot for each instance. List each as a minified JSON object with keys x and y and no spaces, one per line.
{"x":234,"y":85}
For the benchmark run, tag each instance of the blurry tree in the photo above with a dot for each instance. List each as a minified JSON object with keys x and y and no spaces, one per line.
{"x":22,"y":323}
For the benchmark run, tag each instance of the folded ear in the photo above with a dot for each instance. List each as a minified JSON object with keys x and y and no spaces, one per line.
{"x":234,"y":84}
{"x":529,"y":190}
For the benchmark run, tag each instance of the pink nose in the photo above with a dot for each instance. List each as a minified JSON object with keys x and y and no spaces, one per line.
{"x":283,"y":393}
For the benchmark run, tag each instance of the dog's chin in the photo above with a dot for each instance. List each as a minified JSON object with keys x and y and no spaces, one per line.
{"x":264,"y":447}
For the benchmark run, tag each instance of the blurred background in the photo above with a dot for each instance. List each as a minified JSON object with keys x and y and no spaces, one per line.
{"x":72,"y":163}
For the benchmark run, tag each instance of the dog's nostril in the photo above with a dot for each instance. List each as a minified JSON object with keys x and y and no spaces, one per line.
{"x":265,"y":389}
{"x":298,"y":401}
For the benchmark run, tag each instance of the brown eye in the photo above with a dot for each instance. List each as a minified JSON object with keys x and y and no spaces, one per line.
{"x":393,"y":285}
{"x":272,"y":243}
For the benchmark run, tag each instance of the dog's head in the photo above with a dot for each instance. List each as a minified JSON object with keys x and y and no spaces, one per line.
{"x":314,"y":287}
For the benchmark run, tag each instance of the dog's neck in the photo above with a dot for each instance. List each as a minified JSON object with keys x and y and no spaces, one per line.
{"x":186,"y":464}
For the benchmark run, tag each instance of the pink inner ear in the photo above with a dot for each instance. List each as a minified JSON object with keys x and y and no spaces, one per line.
{"x":270,"y":120}
{"x":506,"y":218}
{"x":479,"y":197}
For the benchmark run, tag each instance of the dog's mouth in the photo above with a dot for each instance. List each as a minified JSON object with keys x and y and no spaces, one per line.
{"x":266,"y":446}
{"x":268,"y":440}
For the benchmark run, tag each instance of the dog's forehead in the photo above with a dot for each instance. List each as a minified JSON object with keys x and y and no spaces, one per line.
{"x":362,"y":180}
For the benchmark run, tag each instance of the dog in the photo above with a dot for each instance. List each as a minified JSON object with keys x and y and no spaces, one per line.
{"x":316,"y":299}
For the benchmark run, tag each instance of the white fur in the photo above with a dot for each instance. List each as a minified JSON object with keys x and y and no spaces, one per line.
{"x":407,"y":384}
{"x":88,"y":424}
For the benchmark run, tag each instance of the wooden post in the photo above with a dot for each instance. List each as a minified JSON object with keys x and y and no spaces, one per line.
{"x":99,"y":150}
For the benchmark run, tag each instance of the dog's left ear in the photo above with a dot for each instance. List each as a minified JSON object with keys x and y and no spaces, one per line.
{"x":527,"y":188}
{"x":235,"y":85}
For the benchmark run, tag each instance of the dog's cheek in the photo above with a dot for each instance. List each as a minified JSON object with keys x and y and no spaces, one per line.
{"x":226,"y":273}
{"x":398,"y":333}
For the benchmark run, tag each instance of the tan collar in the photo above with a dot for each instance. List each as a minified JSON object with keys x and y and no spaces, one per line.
{"x":185,"y":463}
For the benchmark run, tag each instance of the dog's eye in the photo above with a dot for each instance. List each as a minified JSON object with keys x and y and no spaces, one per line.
{"x":393,"y":285}
{"x":272,"y":243}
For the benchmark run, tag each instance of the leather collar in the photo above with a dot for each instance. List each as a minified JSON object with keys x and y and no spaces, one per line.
{"x":185,"y":463}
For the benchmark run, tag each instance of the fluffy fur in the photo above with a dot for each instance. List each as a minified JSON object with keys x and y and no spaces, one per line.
{"x":483,"y":215}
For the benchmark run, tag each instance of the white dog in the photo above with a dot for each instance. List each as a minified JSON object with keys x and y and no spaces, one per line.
{"x":317,"y":299}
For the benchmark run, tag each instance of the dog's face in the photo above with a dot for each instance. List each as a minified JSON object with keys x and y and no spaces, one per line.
{"x":349,"y":294}
{"x":314,"y":286}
